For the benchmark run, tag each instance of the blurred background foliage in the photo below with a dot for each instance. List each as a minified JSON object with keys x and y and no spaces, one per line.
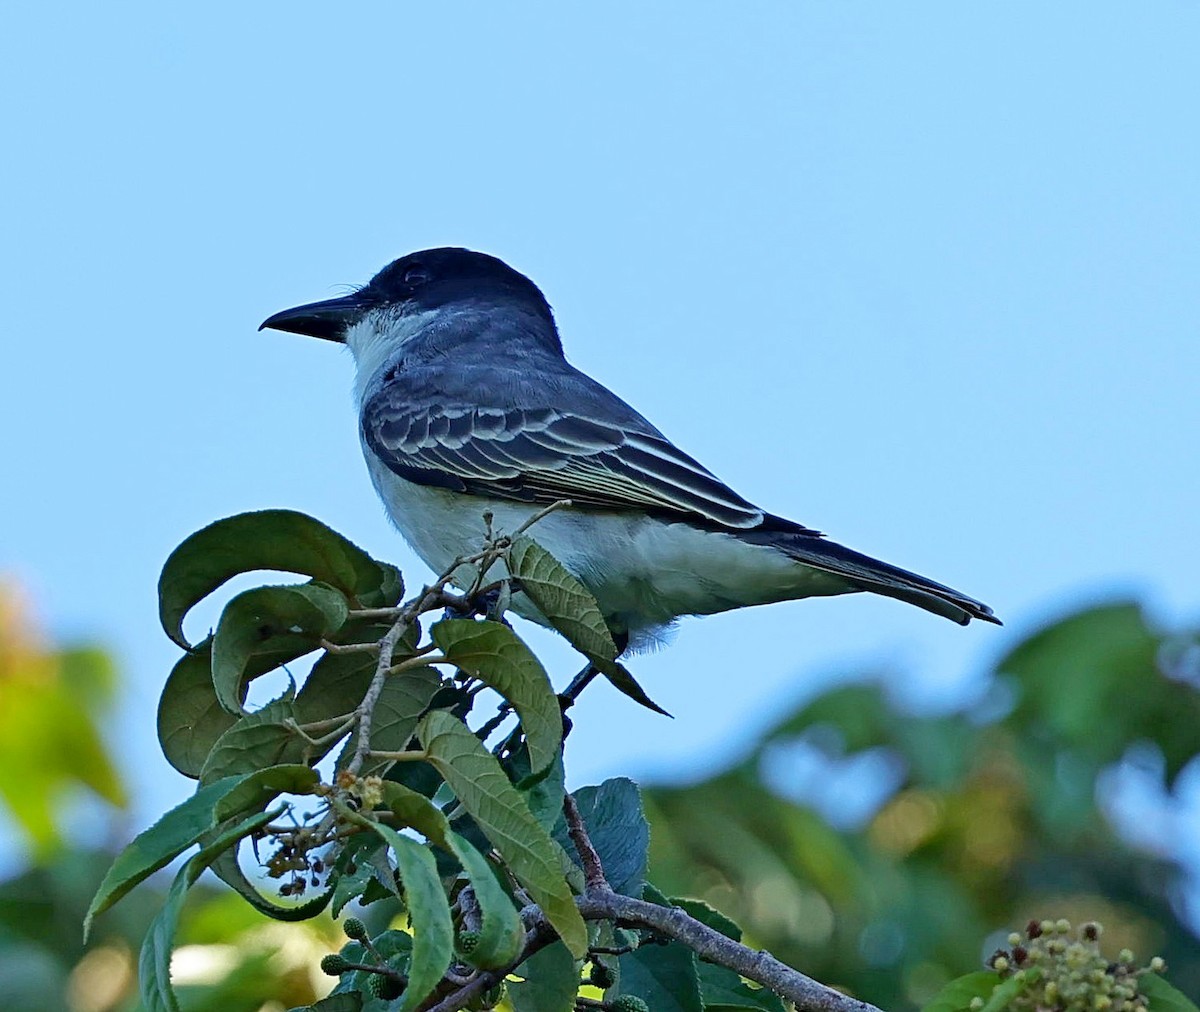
{"x":879,"y":849}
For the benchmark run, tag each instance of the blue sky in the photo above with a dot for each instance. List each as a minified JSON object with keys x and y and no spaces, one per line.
{"x":923,"y":276}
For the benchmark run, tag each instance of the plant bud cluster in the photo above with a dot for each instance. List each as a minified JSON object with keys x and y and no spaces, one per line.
{"x":1062,"y":970}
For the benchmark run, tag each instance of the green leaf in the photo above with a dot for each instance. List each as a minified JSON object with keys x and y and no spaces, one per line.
{"x":157,"y":846}
{"x":187,"y":823}
{"x":621,"y":680}
{"x":551,"y":981}
{"x":566,"y":603}
{"x":545,"y":794}
{"x":956,"y":996}
{"x":258,"y":789}
{"x":226,"y":868}
{"x":664,"y":976}
{"x":154,"y":962}
{"x":501,"y":933}
{"x":297,"y":615}
{"x":1003,"y":995}
{"x":722,"y":989}
{"x":494,"y":654}
{"x":280,"y":540}
{"x":428,"y":914}
{"x":358,"y":852}
{"x":1163,"y":997}
{"x":618,"y":829}
{"x":486,"y":793}
{"x":256,"y":741}
{"x":190,"y":719}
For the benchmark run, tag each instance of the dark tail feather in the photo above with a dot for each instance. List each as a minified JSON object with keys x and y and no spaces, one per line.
{"x":881,"y":578}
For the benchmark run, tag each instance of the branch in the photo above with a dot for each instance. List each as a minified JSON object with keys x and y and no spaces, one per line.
{"x":806,"y":994}
{"x":593,"y":870}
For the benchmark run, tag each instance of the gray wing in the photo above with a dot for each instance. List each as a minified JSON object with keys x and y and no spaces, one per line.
{"x":491,"y":432}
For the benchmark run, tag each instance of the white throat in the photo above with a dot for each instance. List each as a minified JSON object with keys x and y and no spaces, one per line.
{"x":377,"y":338}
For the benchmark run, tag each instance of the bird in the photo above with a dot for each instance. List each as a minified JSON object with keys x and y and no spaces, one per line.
{"x":467,"y":405}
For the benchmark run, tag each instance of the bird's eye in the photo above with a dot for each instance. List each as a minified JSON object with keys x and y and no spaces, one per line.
{"x":416,"y":275}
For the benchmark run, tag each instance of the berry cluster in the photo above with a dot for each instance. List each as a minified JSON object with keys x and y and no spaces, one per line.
{"x":383,"y":981}
{"x":1062,"y":970}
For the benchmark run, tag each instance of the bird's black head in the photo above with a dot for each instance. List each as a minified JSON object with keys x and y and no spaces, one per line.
{"x":428,"y":280}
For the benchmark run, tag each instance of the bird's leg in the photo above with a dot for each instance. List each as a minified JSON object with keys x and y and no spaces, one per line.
{"x":484,"y":603}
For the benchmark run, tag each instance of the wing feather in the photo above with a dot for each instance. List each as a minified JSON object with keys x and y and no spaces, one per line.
{"x":545,"y":454}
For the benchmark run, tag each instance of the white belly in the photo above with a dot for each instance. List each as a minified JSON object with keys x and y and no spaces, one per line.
{"x":643,"y":572}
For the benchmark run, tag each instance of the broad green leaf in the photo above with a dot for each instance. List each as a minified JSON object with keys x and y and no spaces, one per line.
{"x":190,"y":719}
{"x":189,"y":822}
{"x":280,"y":540}
{"x":501,"y":933}
{"x":566,"y":603}
{"x":356,"y":853}
{"x":225,"y":866}
{"x":618,"y":829}
{"x":1163,"y":997}
{"x":255,"y":741}
{"x":299,"y":614}
{"x":545,"y":794}
{"x":956,"y":996}
{"x":486,"y":793}
{"x":621,"y":680}
{"x":259,"y":788}
{"x":664,"y":976}
{"x":1003,"y":995}
{"x":404,"y":698}
{"x":428,"y":914}
{"x":157,"y":846}
{"x":154,"y":962}
{"x":722,"y":989}
{"x":494,"y":654}
{"x":551,"y":981}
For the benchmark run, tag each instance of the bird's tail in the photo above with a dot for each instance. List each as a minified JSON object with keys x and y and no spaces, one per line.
{"x":866,"y":573}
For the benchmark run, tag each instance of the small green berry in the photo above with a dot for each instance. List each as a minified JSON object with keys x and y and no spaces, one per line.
{"x":1014,"y":938}
{"x":355,"y":929}
{"x":629,"y":1003}
{"x":999,"y":964}
{"x":1158,"y":964}
{"x":384,"y":987}
{"x":1062,"y":926}
{"x":601,"y":976}
{"x":334,"y":964}
{"x":1125,"y":956}
{"x":976,"y":1004}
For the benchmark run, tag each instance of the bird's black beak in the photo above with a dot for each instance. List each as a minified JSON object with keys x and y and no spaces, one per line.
{"x":327,"y":320}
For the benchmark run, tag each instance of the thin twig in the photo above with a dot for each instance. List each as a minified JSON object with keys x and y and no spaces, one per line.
{"x":348,"y":648}
{"x":399,"y":757}
{"x":593,"y":870}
